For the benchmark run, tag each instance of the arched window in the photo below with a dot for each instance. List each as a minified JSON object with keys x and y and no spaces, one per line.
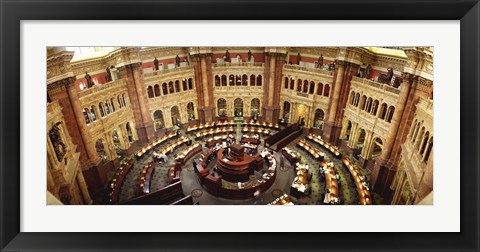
{"x":362,"y":102}
{"x":429,"y":150}
{"x":191,"y":111}
{"x":190,"y":83}
{"x":170,"y":87}
{"x":184,"y":84}
{"x":419,"y":138}
{"x":113,"y":104}
{"x":100,"y":107}
{"x":424,"y":142}
{"x":391,"y":110}
{"x":377,"y":147}
{"x":150,"y":91}
{"x":217,"y":80}
{"x":252,"y":80}
{"x":292,"y":83}
{"x":231,"y":80}
{"x":375,"y":107}
{"x":259,"y":80}
{"x":175,"y":115}
{"x":412,"y":129}
{"x":368,"y":107}
{"x":238,"y":80}
{"x":244,"y":80}
{"x":124,"y":100}
{"x":85,"y":114}
{"x":222,"y":107}
{"x":320,"y":89}
{"x":92,"y":113}
{"x":318,"y":119}
{"x":164,"y":88}
{"x":286,"y":83}
{"x":156,"y":90}
{"x":347,"y":130}
{"x":107,"y":108}
{"x":255,"y":107}
{"x":129,"y":132}
{"x":100,"y":149}
{"x":417,"y":128}
{"x":224,"y":80}
{"x":120,"y":101}
{"x":326,"y":93}
{"x":352,"y":97}
{"x":312,"y":87}
{"x":299,"y":87}
{"x":158,"y":120}
{"x":383,"y":111}
{"x":305,"y":86}
{"x":177,"y":86}
{"x":357,"y":99}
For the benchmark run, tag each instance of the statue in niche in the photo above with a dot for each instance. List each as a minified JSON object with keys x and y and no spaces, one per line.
{"x":155,"y":63}
{"x":389,"y":74}
{"x":177,"y":61}
{"x":249,"y":55}
{"x":108,"y":75}
{"x":320,"y":61}
{"x":88,"y":78}
{"x":227,"y":56}
{"x":58,"y":146}
{"x":298,"y":59}
{"x":368,"y":70}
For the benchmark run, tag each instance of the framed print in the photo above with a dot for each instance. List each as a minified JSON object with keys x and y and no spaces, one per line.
{"x":249,"y":126}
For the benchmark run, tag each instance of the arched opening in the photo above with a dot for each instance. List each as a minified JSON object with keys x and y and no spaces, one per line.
{"x":158,"y":121}
{"x":224,"y":80}
{"x":390,"y":112}
{"x":116,"y":142}
{"x":100,"y":107}
{"x":305,"y":86}
{"x":429,"y":150}
{"x":164,"y":88}
{"x":238,"y":80}
{"x":255,"y":107}
{"x":124,"y":100}
{"x":113,"y":105}
{"x":377,"y":147}
{"x":217,"y":80}
{"x":375,"y":107}
{"x":129,"y":132}
{"x":352,"y":98}
{"x":170,"y":88}
{"x":191,"y":111}
{"x":222,"y":107}
{"x":383,"y":111}
{"x":190,"y":83}
{"x":368,"y":107}
{"x":259,"y":80}
{"x":417,"y":128}
{"x":286,"y":111}
{"x":120,"y":101}
{"x":424,"y":143}
{"x":292,"y":83}
{"x":361,"y":140}
{"x":107,"y":108}
{"x":286,"y":83}
{"x":252,"y":80}
{"x":150,"y":91}
{"x":85,"y":115}
{"x":312,"y":87}
{"x":100,"y":148}
{"x":362,"y":102}
{"x":320,"y":89}
{"x":318,"y":119}
{"x":238,"y":107}
{"x":231,"y":80}
{"x":299,"y":87}
{"x":419,"y":138}
{"x":156,"y":90}
{"x":244,"y":80}
{"x":326,"y":93}
{"x":357,"y":99}
{"x":177,"y":86}
{"x":92,"y":113}
{"x":175,"y":116}
{"x":184,"y":84}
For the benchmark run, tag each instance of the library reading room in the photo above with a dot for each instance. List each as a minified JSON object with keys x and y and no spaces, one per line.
{"x":239,"y":126}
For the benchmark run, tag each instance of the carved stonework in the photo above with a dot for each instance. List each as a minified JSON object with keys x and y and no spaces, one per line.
{"x":58,"y":144}
{"x":60,"y":86}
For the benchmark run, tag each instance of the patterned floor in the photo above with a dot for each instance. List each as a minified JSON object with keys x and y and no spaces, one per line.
{"x":285,"y":176}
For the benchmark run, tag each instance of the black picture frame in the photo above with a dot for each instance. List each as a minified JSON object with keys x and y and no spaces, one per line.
{"x":12,"y":12}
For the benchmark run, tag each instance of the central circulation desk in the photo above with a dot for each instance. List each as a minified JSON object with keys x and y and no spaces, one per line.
{"x":238,"y":165}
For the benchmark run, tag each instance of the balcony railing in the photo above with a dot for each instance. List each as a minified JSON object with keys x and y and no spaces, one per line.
{"x":240,"y":64}
{"x":377,"y":85}
{"x":100,"y":87}
{"x":315,"y":70}
{"x":165,"y":71}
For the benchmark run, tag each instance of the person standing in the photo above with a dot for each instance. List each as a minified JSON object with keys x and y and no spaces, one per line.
{"x":88,"y":78}
{"x":177,"y":61}
{"x":155,"y":63}
{"x":298,"y":58}
{"x":249,"y":55}
{"x":108,"y":75}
